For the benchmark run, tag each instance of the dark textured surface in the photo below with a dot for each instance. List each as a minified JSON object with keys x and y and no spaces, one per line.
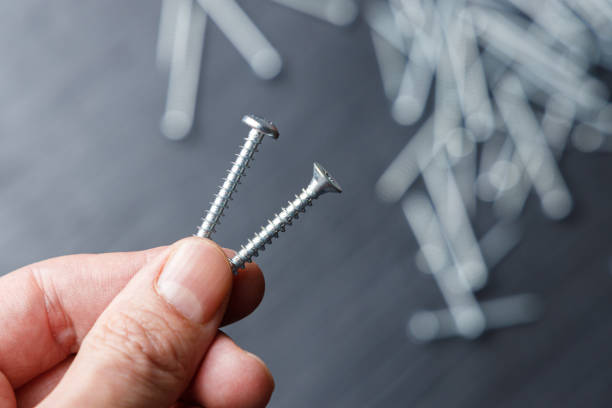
{"x":83,"y":168}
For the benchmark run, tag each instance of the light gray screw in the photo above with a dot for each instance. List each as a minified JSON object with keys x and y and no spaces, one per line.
{"x":322,"y":182}
{"x":184,"y":65}
{"x":515,"y":310}
{"x":259,"y":128}
{"x":338,"y":12}
{"x":230,"y":18}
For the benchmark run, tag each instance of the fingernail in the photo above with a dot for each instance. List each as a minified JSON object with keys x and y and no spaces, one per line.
{"x":196,"y":280}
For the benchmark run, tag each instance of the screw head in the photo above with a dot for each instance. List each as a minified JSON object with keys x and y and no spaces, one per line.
{"x":324,"y":181}
{"x":260,"y":124}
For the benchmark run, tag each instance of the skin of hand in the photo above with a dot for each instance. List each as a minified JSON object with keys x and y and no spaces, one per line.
{"x":137,"y":329}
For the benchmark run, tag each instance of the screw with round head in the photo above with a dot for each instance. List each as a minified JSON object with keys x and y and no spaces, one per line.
{"x":261,"y":125}
{"x":322,"y":182}
{"x":259,"y":128}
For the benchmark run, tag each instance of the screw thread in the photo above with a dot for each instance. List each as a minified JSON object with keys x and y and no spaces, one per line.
{"x":274,"y":227}
{"x":235,"y":173}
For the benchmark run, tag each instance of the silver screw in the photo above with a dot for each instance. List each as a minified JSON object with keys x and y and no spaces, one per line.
{"x":259,"y":128}
{"x":322,"y":182}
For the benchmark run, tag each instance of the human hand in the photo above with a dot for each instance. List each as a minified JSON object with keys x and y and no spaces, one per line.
{"x":133,"y":329}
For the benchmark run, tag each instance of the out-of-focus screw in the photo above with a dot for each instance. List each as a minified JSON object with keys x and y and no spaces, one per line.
{"x":264,"y":59}
{"x":259,"y":128}
{"x":432,"y":325}
{"x":184,"y":65}
{"x":338,"y":12}
{"x":322,"y":182}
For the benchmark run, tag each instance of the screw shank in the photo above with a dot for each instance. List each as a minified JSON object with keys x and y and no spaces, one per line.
{"x":234,"y":175}
{"x":273,"y":227}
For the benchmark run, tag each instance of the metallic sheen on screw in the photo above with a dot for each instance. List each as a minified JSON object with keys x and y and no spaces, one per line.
{"x":260,"y":128}
{"x":322,"y":182}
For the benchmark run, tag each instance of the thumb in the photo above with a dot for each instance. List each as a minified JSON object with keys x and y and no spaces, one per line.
{"x":147,"y":345}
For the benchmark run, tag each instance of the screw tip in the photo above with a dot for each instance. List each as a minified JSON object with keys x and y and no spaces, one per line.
{"x":262,"y":125}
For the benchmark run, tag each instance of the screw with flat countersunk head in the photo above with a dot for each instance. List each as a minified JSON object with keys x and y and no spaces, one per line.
{"x":259,"y":128}
{"x":322,"y":182}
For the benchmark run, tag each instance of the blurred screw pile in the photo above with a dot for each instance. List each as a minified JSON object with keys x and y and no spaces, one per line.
{"x":497,"y":90}
{"x":180,"y":42}
{"x":508,"y":83}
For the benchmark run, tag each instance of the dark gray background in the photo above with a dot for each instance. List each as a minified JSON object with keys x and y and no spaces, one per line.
{"x":83,"y":168}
